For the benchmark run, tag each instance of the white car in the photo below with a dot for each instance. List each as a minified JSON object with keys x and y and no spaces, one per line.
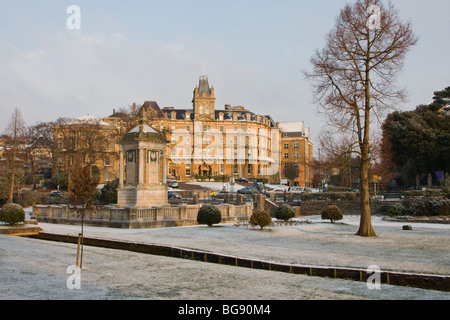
{"x":298,"y":190}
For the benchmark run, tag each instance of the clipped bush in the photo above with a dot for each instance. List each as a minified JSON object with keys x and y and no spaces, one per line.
{"x":284,"y":212}
{"x":12,"y":213}
{"x":332,"y":212}
{"x":330,"y":196}
{"x":396,"y":210}
{"x":209,"y":215}
{"x":430,"y":207}
{"x":260,"y":218}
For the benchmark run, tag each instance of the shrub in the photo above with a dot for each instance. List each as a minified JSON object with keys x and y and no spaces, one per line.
{"x":108,"y":193}
{"x":429,"y":207}
{"x":396,"y":210}
{"x":330,"y":196}
{"x":332,"y":212}
{"x":260,"y":218}
{"x":209,"y":215}
{"x":284,"y":212}
{"x":12,"y":213}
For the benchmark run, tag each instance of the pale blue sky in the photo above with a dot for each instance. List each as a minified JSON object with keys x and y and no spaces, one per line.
{"x":132,"y":51}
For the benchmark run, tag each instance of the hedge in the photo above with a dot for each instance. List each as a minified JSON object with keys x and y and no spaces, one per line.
{"x":330,"y":196}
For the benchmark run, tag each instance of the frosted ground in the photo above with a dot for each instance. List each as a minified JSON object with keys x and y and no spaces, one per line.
{"x":36,"y":269}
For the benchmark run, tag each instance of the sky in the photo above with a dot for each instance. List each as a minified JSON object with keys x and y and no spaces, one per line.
{"x":253,"y":52}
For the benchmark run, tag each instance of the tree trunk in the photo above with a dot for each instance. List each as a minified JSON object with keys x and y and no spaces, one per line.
{"x":365,"y":224}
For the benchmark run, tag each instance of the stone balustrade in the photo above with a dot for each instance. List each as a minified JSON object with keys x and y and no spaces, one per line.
{"x":134,"y":218}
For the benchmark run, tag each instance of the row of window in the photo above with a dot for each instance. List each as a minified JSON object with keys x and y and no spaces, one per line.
{"x":286,"y":155}
{"x":222,"y":169}
{"x":286,"y":145}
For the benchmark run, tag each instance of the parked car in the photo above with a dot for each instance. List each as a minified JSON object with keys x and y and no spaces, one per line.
{"x":173,"y":195}
{"x":55,"y":193}
{"x":240,"y":179}
{"x":298,"y":190}
{"x":173,"y":184}
{"x":223,"y":193}
{"x":246,"y":190}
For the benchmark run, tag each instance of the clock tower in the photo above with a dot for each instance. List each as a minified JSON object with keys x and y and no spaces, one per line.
{"x":204,"y":100}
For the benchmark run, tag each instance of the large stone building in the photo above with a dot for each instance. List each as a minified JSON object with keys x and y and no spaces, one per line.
{"x":232,"y":142}
{"x":205,"y":141}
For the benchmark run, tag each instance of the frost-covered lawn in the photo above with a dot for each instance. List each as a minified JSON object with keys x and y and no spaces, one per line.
{"x":36,"y":269}
{"x":425,"y":249}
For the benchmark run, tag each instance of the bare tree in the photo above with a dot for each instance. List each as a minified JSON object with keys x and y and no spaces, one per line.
{"x":354,"y":77}
{"x":15,"y":133}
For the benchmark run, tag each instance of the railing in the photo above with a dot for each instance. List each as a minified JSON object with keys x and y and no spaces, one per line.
{"x":182,"y":213}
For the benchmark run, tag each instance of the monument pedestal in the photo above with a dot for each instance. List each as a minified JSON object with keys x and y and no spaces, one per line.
{"x":142,"y":197}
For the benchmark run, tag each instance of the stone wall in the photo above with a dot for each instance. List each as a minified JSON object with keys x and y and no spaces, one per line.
{"x":134,"y":218}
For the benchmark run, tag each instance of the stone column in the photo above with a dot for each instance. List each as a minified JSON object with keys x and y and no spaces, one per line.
{"x":141,"y":167}
{"x":121,"y":169}
{"x":164,"y":167}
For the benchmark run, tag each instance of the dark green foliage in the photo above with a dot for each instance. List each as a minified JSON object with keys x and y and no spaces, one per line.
{"x":108,"y":194}
{"x":12,"y":213}
{"x":332,"y":212}
{"x":284,"y":212}
{"x":419,"y":140}
{"x":260,"y":218}
{"x":209,"y":215}
{"x":333,"y":196}
{"x":427,"y":207}
{"x":396,"y":210}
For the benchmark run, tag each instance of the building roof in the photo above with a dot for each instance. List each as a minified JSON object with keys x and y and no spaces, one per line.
{"x":145,"y":129}
{"x":203,"y":86}
{"x":180,"y":114}
{"x":152,"y":106}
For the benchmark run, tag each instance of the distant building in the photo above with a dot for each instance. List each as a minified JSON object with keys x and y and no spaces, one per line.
{"x":86,"y":141}
{"x":203,"y":141}
{"x":207,"y":141}
{"x":296,"y":154}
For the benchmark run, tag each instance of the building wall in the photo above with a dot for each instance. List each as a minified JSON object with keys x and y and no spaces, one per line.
{"x":297,"y":152}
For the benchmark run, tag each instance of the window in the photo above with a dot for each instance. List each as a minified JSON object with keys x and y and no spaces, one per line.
{"x":259,"y":169}
{"x":221,"y":168}
{"x":188,"y":140}
{"x":286,"y":155}
{"x":188,"y":169}
{"x":286,"y":145}
{"x":295,"y":145}
{"x":201,"y":109}
{"x":250,"y":167}
{"x":188,"y":116}
{"x":207,"y":110}
{"x":221,"y":128}
{"x":107,"y":162}
{"x":188,"y":128}
{"x":236,"y":169}
{"x":296,"y":155}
